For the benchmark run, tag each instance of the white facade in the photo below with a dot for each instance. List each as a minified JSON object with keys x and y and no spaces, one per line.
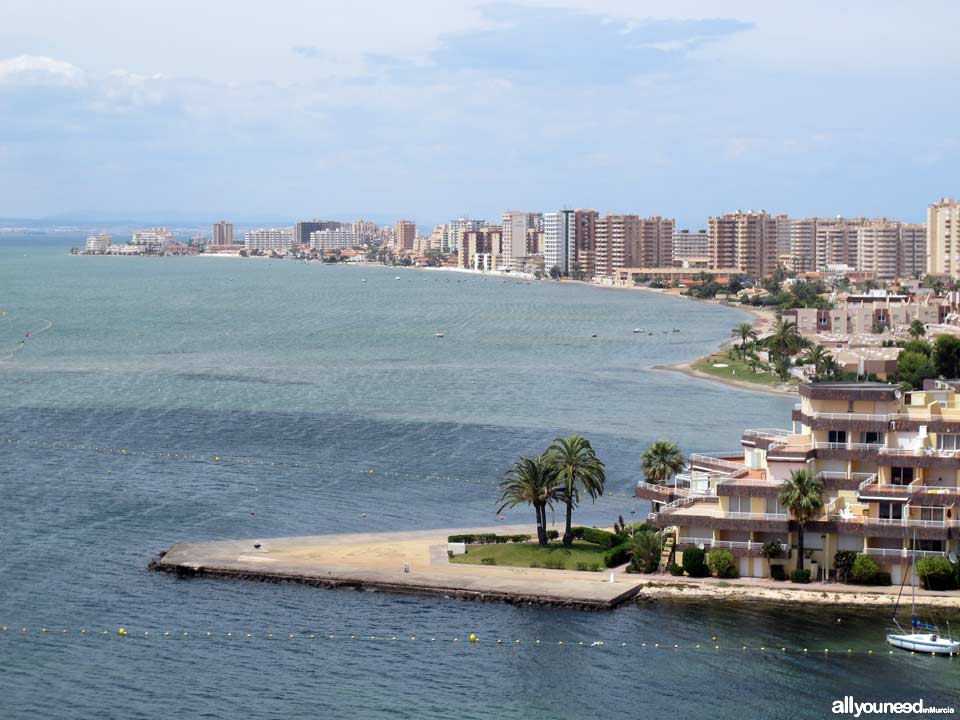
{"x":98,"y":244}
{"x":269,"y":239}
{"x":514,"y":242}
{"x":559,"y":240}
{"x":341,"y":238}
{"x":687,"y":245}
{"x":455,"y":230}
{"x":152,"y":239}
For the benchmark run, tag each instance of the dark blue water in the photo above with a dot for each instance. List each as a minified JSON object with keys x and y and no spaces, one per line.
{"x":302,"y":379}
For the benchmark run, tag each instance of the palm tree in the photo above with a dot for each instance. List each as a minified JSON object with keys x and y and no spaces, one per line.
{"x":644,"y":550}
{"x":785,"y":338}
{"x":661,"y":461}
{"x":579,"y":471}
{"x":746,"y":333}
{"x":802,"y":496}
{"x":917,"y":329}
{"x":532,"y":481}
{"x":817,"y":356}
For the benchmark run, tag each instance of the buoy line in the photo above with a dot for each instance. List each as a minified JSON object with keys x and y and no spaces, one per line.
{"x":13,"y":632}
{"x":372,"y":472}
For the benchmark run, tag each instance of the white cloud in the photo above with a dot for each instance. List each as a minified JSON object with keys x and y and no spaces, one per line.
{"x":39,"y":70}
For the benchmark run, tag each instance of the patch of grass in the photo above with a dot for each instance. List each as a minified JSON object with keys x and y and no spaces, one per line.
{"x":734,"y":370}
{"x":579,"y":555}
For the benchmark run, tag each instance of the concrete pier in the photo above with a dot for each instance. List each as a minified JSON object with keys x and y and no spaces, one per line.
{"x":405,"y":562}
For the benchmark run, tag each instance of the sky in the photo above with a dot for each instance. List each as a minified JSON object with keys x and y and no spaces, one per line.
{"x":435,"y":109}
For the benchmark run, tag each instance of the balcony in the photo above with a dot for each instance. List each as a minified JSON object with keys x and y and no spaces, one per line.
{"x":717,"y":461}
{"x":739,"y":548}
{"x":705,"y":511}
{"x":844,"y":481}
{"x":901,"y":556}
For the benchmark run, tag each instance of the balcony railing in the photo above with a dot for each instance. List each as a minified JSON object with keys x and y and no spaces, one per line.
{"x":778,"y":434}
{"x":713,"y":460}
{"x":684,"y":501}
{"x":781,"y":517}
{"x":904,"y":522}
{"x":901,"y":553}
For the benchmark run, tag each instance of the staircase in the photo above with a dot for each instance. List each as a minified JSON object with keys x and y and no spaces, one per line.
{"x":666,"y":556}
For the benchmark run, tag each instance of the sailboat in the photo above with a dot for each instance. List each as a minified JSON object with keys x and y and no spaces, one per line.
{"x":925,"y":637}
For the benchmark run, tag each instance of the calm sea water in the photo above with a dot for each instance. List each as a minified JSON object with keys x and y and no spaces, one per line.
{"x":302,"y":379}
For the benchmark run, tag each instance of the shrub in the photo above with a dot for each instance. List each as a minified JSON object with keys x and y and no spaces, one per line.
{"x":616,"y":555}
{"x":772,"y":549}
{"x":487,"y":538}
{"x":882,"y":578}
{"x":554,"y":564}
{"x":601,"y":537}
{"x":722,"y":564}
{"x":693,"y":563}
{"x":553,"y":534}
{"x":800,"y":576}
{"x":777,"y":573}
{"x":450,"y":554}
{"x":577,"y":532}
{"x":595,"y":567}
{"x":843,"y":562}
{"x":488,"y":561}
{"x":676,"y":570}
{"x":534,"y":563}
{"x":864,"y":569}
{"x":581,"y":565}
{"x":936,"y":573}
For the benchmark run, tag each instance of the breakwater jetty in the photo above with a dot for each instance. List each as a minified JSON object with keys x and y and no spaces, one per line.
{"x":412,"y":562}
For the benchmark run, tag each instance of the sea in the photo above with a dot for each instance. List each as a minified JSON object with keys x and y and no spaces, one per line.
{"x":150,"y":401}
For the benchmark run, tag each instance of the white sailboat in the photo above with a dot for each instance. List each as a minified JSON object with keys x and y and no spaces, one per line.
{"x":925,"y":637}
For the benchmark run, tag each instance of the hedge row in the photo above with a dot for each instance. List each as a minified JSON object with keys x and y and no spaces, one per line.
{"x":597,"y":537}
{"x":487,"y":539}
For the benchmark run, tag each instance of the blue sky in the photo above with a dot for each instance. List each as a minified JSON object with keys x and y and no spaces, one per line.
{"x":432,"y":109}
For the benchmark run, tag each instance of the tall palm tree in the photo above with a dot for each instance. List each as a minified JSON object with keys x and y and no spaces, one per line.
{"x":746,"y":333}
{"x":661,"y":461}
{"x":532,"y":481}
{"x":579,"y":471}
{"x":817,"y":356}
{"x":785,"y":338}
{"x":917,"y":328}
{"x":802,"y":496}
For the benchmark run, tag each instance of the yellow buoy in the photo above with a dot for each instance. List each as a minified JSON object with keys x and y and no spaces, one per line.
{"x":121,"y":631}
{"x":473,"y":637}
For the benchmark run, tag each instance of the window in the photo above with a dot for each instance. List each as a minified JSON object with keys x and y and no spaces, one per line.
{"x":871,"y":438}
{"x":891,"y":511}
{"x":948,"y":442}
{"x":931,"y":513}
{"x":837,"y":436}
{"x":772,"y":505}
{"x":739,"y":503}
{"x":901,"y":475}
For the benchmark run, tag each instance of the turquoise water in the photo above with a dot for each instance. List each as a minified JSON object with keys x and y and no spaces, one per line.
{"x":303,"y":378}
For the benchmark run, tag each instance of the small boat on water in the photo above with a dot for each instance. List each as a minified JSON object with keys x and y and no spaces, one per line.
{"x":926,"y":637}
{"x":438,"y":334}
{"x":636,"y":330}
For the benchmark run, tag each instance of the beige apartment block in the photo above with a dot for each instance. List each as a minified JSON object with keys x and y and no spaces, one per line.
{"x":405,"y":234}
{"x":745,"y":240}
{"x":943,"y":238}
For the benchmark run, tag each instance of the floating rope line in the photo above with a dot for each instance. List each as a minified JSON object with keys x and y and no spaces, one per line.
{"x":13,"y":632}
{"x":372,"y":472}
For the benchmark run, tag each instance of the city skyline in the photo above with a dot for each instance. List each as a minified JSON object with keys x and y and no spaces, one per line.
{"x":398,"y":116}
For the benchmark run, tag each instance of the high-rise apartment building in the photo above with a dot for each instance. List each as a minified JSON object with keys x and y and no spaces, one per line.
{"x":98,"y":244}
{"x":653,"y":248}
{"x":369,"y":233}
{"x":745,"y":240}
{"x":266,"y":239}
{"x":943,"y":238}
{"x":617,"y":239}
{"x":559,"y":240}
{"x":891,"y":249}
{"x":302,"y":230}
{"x":405,"y":234}
{"x":584,"y":260}
{"x":691,"y":245}
{"x":456,"y":229}
{"x":514,"y":245}
{"x":223,"y":233}
{"x":340,"y":238}
{"x":479,"y":248}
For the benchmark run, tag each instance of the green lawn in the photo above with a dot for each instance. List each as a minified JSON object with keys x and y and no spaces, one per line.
{"x":735,"y":370}
{"x":530,"y":554}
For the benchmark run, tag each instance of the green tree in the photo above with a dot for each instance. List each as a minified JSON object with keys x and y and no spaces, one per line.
{"x":914,"y":367}
{"x":817,"y":357}
{"x":917,"y":329}
{"x":555,"y":272}
{"x":746,"y":333}
{"x":579,"y":471}
{"x":784,"y":340}
{"x":661,"y":461}
{"x":919,"y":346}
{"x":802,"y":496}
{"x":532,"y":481}
{"x":946,"y":356}
{"x":644,"y":548}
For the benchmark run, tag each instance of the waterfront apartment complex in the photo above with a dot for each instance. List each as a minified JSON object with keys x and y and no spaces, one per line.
{"x":340,"y":238}
{"x":691,"y":245}
{"x":515,"y":245}
{"x":631,"y":241}
{"x":560,"y":240}
{"x":405,"y":234}
{"x":97,"y":244}
{"x":943,"y":238}
{"x":889,"y":462}
{"x":745,"y":240}
{"x":268,"y":239}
